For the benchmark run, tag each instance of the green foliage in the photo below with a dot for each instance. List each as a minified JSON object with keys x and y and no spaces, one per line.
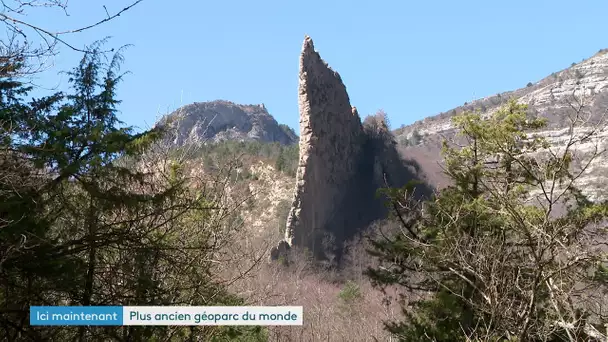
{"x":283,"y":157}
{"x":82,"y":222}
{"x":236,"y":333}
{"x":601,"y":273}
{"x":425,"y":322}
{"x":477,"y":250}
{"x":288,"y":130}
{"x":240,"y":334}
{"x":350,"y":292}
{"x":282,"y":213}
{"x":287,"y":159}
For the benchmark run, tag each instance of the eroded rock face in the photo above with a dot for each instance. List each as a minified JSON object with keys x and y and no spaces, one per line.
{"x":219,"y":120}
{"x":342,"y":164}
{"x":330,"y":148}
{"x":557,"y":98}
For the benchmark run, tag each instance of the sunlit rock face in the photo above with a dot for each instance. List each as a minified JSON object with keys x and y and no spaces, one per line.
{"x":579,"y":91}
{"x":330,"y":147}
{"x":216,"y":121}
{"x":342,"y":163}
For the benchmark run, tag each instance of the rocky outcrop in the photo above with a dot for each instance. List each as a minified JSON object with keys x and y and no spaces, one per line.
{"x":556,"y":98}
{"x":330,"y":148}
{"x":342,"y":163}
{"x":223,"y":120}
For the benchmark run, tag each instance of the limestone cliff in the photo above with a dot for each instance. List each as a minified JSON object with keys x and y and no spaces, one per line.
{"x":330,"y":147}
{"x":342,"y":164}
{"x":582,"y":87}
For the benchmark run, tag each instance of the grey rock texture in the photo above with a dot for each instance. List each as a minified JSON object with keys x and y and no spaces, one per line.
{"x":342,"y":163}
{"x":330,"y":147}
{"x":553,"y":97}
{"x":223,"y":120}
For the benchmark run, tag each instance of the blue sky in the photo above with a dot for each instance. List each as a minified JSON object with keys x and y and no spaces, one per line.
{"x":410,"y":58}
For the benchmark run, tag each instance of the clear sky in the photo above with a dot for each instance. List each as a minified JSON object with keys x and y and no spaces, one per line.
{"x":411,"y":58}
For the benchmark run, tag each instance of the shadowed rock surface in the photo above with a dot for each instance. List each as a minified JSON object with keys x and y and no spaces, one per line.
{"x":342,"y":163}
{"x":330,"y":147}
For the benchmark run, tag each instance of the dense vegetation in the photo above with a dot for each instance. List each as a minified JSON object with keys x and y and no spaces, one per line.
{"x":284,"y":158}
{"x":93,"y":214}
{"x":512,"y":250}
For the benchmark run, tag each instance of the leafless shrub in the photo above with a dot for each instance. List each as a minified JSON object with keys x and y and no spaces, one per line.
{"x":19,"y":44}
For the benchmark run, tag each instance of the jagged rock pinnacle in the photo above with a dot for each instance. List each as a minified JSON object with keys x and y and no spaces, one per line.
{"x":308,"y":44}
{"x":342,"y":164}
{"x":329,"y":148}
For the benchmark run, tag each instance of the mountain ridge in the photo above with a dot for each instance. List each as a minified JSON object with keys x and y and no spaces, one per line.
{"x":221,"y":120}
{"x":555,"y":97}
{"x":501,"y":97}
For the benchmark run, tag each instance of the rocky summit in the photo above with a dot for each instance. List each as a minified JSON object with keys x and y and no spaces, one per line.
{"x":330,"y":146}
{"x":342,"y":163}
{"x":219,"y":120}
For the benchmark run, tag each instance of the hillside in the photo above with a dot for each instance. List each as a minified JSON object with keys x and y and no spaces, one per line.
{"x":223,"y":120}
{"x":487,"y":222}
{"x":581,"y":88}
{"x":266,"y":173}
{"x":260,"y":184}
